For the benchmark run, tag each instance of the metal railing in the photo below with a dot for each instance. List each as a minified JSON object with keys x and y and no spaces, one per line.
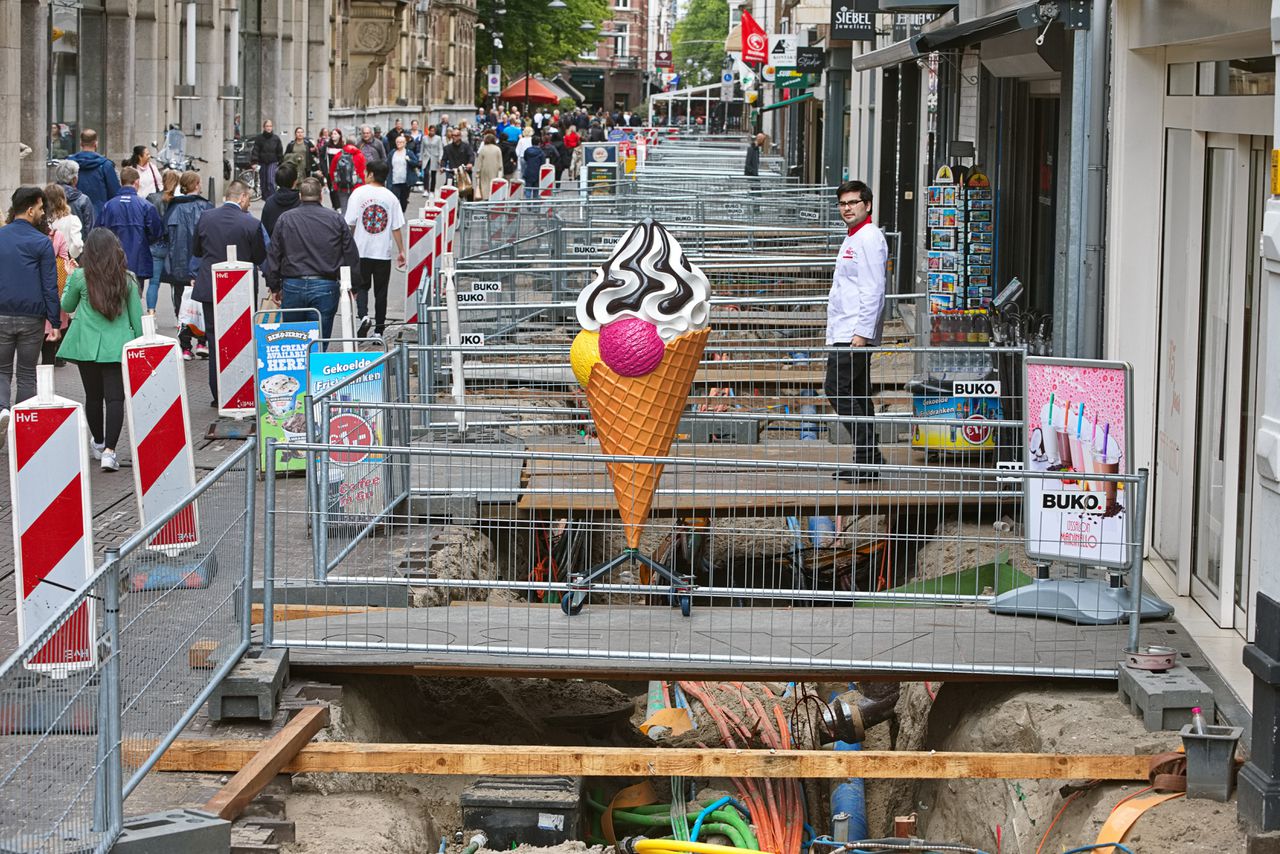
{"x":77,"y":738}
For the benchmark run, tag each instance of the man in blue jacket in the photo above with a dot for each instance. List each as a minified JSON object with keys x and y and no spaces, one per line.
{"x":97,"y":176}
{"x":229,"y":224}
{"x":137,"y":223}
{"x":29,"y":310}
{"x":531,"y":171}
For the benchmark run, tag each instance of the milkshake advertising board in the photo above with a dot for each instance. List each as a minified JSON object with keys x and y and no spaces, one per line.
{"x":356,"y":477}
{"x":1078,"y":419}
{"x":281,"y":382}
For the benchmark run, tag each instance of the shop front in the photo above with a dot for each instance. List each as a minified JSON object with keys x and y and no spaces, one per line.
{"x":979,"y":94}
{"x":1191,"y":152}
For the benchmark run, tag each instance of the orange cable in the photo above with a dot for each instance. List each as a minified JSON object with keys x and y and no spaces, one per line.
{"x":1071,"y":797}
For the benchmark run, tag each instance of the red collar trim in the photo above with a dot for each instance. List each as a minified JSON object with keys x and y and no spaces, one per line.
{"x":854,"y":229}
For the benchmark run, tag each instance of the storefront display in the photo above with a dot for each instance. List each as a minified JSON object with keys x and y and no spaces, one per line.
{"x":959,"y":264}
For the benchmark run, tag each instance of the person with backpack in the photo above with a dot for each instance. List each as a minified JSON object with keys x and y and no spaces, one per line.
{"x":137,"y":224}
{"x":510,"y":162}
{"x":286,"y":197}
{"x":346,"y":172}
{"x":533,"y":159}
{"x":98,"y":178}
{"x":301,"y":153}
{"x":180,"y":228}
{"x":103,"y":295}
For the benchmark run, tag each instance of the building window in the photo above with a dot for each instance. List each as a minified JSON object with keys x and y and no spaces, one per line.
{"x":592,"y":52}
{"x":1224,"y":77}
{"x":77,"y":34}
{"x":622,"y":4}
{"x":622,"y":44}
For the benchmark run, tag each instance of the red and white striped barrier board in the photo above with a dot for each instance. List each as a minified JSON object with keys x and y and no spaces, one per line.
{"x":515,"y":192}
{"x":546,"y":181}
{"x":449,"y":195}
{"x":233,"y":340}
{"x":164,"y":469}
{"x":419,"y":257}
{"x":345,"y":320}
{"x":52,"y":523}
{"x":499,"y":190}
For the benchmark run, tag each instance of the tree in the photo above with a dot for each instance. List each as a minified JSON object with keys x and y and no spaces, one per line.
{"x":698,"y":42}
{"x":547,"y":38}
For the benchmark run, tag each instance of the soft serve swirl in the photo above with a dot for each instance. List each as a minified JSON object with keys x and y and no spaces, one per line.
{"x":649,"y":277}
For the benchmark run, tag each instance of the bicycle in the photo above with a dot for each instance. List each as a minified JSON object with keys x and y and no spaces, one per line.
{"x":249,"y":177}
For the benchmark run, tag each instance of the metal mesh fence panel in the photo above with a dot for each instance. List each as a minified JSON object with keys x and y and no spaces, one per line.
{"x":56,"y":736}
{"x":183,"y":619}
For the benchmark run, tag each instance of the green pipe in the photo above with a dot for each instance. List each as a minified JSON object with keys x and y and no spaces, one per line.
{"x":659,"y":815}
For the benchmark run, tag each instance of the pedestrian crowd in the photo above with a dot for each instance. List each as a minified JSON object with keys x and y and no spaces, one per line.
{"x":85,"y":256}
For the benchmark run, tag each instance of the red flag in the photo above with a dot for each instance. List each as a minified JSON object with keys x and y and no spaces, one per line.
{"x":755,"y":44}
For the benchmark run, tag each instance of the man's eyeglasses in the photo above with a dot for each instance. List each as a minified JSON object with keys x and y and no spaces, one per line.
{"x":849,"y":204}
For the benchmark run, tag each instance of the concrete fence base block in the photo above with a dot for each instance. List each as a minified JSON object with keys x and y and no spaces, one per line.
{"x":189,"y":831}
{"x":252,"y":689}
{"x":1164,"y":700}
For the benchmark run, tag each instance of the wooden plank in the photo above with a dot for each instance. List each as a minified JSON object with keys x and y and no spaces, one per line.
{"x":217,"y":755}
{"x":305,"y":612}
{"x":259,"y":765}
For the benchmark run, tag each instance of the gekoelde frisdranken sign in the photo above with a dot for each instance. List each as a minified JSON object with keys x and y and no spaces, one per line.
{"x":853,"y":20}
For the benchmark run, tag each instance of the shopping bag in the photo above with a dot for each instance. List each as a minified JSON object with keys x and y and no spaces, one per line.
{"x":191,"y":313}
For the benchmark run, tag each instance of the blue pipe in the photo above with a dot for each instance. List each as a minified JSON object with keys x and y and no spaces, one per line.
{"x":709,"y":809}
{"x":851,"y":797}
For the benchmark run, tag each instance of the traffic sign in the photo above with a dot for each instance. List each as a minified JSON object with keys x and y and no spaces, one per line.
{"x":495,"y":80}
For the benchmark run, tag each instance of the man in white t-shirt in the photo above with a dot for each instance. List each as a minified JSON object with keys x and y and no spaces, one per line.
{"x":374,"y":214}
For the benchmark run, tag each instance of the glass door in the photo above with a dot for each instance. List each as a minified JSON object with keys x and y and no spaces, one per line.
{"x":1231,"y":199}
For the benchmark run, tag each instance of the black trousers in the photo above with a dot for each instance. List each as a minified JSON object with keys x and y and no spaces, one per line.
{"x":848,"y":387}
{"x":377,"y":275}
{"x":103,"y":395}
{"x":402,"y":193}
{"x":211,"y":337}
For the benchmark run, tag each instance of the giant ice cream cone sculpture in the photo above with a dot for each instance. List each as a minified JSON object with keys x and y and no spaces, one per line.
{"x":644,"y":318}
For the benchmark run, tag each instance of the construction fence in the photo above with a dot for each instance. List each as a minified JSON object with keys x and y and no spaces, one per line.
{"x":89,"y":703}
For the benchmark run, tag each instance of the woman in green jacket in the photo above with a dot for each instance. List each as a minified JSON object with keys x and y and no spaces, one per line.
{"x":103,"y":294}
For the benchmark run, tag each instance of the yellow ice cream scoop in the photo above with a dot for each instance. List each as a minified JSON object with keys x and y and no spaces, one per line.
{"x":584,"y":354}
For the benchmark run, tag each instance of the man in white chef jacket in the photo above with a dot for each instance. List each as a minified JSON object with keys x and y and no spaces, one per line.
{"x":855,"y":320}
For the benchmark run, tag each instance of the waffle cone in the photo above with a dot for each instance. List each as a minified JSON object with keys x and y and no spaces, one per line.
{"x":639,"y":415}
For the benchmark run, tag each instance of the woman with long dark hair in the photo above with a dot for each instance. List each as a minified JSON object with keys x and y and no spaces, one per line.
{"x":103,"y":294}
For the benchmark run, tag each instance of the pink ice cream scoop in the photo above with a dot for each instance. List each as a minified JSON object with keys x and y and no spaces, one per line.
{"x":631,"y":347}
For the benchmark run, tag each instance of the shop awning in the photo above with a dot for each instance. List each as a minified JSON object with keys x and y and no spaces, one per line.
{"x":787,"y":102}
{"x":538,"y":92}
{"x":948,"y":32}
{"x":564,"y":85}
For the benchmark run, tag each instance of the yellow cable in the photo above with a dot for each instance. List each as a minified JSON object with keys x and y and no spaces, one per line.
{"x":672,"y":846}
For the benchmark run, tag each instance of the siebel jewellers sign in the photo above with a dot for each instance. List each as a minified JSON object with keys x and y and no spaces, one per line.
{"x":853,"y":20}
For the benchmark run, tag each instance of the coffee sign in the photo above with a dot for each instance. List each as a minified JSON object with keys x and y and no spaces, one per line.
{"x":853,"y":20}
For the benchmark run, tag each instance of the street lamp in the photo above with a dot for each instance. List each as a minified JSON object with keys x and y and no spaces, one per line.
{"x":554,"y":4}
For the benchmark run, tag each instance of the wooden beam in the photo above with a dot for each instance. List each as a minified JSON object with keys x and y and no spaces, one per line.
{"x":260,"y":766}
{"x":214,"y":755}
{"x":300,"y":611}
